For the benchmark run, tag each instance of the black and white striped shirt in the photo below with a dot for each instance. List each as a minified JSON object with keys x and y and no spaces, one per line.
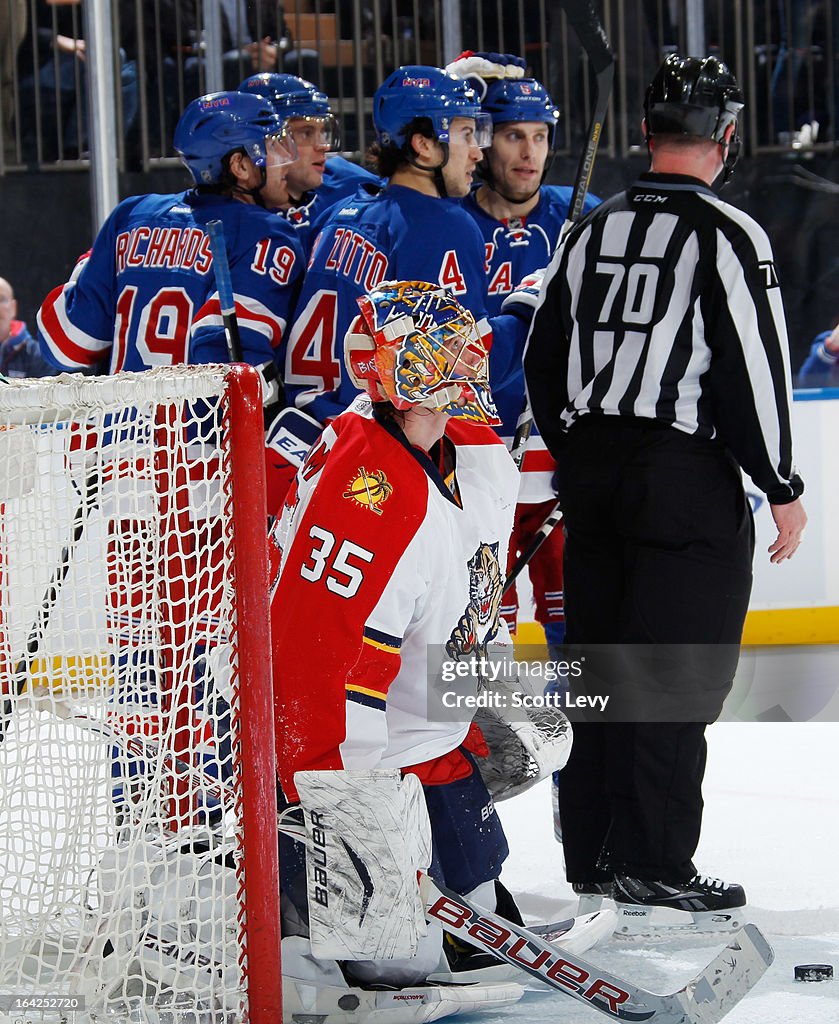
{"x":663,"y":304}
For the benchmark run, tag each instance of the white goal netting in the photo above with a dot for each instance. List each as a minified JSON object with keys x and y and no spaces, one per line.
{"x":130,"y":745}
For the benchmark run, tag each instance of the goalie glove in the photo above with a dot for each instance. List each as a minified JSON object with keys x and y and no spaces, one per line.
{"x":476,"y":68}
{"x":528,"y":736}
{"x":526,"y":293}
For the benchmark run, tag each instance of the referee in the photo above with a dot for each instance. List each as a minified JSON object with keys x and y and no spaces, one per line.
{"x":657,"y":368}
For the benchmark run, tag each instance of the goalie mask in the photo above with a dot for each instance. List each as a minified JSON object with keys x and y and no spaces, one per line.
{"x":415,"y":345}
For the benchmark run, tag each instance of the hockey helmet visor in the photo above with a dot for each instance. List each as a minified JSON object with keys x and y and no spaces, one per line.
{"x":220,"y":123}
{"x":300,"y":105}
{"x":420,"y":91}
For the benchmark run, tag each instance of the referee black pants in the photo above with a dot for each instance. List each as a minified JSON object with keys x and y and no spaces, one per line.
{"x":659,"y":545}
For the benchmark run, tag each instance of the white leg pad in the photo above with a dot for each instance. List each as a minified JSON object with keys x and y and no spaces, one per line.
{"x":367,"y":835}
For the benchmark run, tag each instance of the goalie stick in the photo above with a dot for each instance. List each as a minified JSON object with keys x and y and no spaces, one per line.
{"x":705,"y":999}
{"x":224,"y":286}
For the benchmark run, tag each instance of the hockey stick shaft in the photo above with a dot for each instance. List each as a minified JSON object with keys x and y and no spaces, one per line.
{"x":553,"y":520}
{"x":224,"y":286}
{"x":586,"y":23}
{"x":49,"y":600}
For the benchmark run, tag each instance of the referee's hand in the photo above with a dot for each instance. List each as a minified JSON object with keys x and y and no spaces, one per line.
{"x":790,"y":520}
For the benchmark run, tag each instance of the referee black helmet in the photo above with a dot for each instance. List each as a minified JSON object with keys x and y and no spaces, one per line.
{"x":696,"y":97}
{"x":689,"y":96}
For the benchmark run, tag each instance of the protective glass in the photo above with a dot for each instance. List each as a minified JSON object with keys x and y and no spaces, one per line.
{"x":320,"y":132}
{"x":280,"y":149}
{"x":468,"y":131}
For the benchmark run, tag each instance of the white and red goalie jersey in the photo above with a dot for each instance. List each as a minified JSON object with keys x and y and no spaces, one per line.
{"x":384,"y":558}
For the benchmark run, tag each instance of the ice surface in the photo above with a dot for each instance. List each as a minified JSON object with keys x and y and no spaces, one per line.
{"x":771,"y":823}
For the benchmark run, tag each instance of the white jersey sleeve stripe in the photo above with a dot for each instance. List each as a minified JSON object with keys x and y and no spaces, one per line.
{"x":68,"y":344}
{"x":745,"y":319}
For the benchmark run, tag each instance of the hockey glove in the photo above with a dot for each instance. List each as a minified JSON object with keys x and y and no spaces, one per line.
{"x":476,"y":68}
{"x":525,"y":293}
{"x":287,"y":442}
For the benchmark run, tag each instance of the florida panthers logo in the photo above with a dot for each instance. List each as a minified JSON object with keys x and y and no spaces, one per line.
{"x":479,"y":622}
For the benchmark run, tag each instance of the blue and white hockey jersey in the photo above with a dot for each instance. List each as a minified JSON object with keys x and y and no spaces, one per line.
{"x":398,"y":234}
{"x":515,"y":248}
{"x":146,"y":294}
{"x":341,"y":178}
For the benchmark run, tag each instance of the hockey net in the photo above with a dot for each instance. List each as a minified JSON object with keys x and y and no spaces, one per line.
{"x":138,"y":843}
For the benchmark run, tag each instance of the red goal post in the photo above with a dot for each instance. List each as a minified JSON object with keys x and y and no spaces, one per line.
{"x":138,"y":796}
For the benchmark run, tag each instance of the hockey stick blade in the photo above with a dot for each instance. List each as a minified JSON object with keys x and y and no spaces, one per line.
{"x":705,"y":999}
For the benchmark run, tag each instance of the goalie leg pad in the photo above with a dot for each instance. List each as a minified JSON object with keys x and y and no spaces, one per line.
{"x":367,"y":835}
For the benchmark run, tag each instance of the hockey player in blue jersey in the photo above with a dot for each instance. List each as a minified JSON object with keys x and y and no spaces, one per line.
{"x":316,"y":180}
{"x":520,"y":220}
{"x":146,"y":294}
{"x":430,"y":130}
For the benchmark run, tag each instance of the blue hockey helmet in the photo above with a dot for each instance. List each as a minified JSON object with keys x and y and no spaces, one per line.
{"x":219,"y":123}
{"x":294,"y":98}
{"x":418,"y":90}
{"x":520,"y":99}
{"x":289,"y":95}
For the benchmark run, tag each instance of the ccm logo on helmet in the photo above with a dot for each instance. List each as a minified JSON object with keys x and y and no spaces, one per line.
{"x":419,"y":83}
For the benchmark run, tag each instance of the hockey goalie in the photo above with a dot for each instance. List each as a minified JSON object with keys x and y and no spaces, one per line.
{"x":387,"y":553}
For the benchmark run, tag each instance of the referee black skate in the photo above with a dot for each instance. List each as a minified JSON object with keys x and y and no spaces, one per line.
{"x":658,"y":368}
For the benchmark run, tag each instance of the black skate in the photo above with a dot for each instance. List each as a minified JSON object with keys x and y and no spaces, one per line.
{"x":700,"y":903}
{"x":591,"y":895}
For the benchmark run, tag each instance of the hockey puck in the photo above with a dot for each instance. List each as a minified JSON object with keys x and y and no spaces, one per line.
{"x":813,"y":972}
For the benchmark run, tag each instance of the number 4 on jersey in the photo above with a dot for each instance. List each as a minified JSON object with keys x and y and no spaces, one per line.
{"x":311,"y":348}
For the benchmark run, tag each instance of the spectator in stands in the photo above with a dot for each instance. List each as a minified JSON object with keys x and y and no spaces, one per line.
{"x":254,"y":38}
{"x":20,"y":354}
{"x":165,"y":33}
{"x":821,"y":367}
{"x":52,"y":65}
{"x":12,"y":32}
{"x":800,"y":104}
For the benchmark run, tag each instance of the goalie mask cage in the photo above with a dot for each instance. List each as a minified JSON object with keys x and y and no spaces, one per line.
{"x":138,"y":836}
